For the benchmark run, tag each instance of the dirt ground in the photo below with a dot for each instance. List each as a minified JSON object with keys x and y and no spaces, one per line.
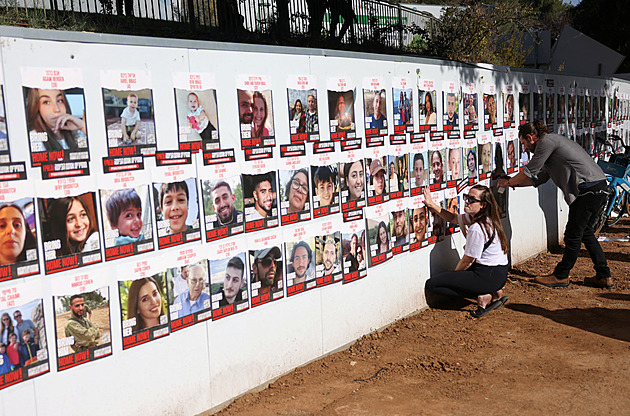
{"x":547,"y":351}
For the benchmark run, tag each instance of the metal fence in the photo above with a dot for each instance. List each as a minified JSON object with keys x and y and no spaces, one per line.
{"x":344,"y":21}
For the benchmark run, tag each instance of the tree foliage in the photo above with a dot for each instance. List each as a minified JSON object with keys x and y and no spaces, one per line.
{"x":476,"y":32}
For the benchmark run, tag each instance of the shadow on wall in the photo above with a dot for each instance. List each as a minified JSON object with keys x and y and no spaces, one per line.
{"x":548,"y":202}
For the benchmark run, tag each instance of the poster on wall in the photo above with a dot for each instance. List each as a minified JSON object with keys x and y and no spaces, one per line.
{"x":484,"y":163}
{"x":471,"y":111}
{"x":512,"y":164}
{"x":54,"y":103}
{"x":341,"y":113}
{"x":129,"y":113}
{"x":328,"y":265}
{"x":436,"y":223}
{"x":550,"y":103}
{"x":299,"y":245}
{"x":222,"y":200}
{"x":398,"y":166}
{"x":19,"y":256}
{"x":266,"y":267}
{"x":418,"y":215}
{"x":256,"y":116}
{"x":508,"y":107}
{"x":24,"y":349}
{"x":490,"y":120}
{"x":353,"y":250}
{"x":260,"y":201}
{"x":450,"y":103}
{"x":378,"y":234}
{"x":303,"y":109}
{"x":427,"y":104}
{"x":538,"y":99}
{"x":143,"y":299}
{"x":375,"y":111}
{"x":229,"y":278}
{"x":437,"y":156}
{"x":402,"y":94}
{"x":399,"y":226}
{"x":188,"y":287}
{"x":294,"y":193}
{"x":524,"y":100}
{"x":352,"y":189}
{"x":453,"y":166}
{"x":418,"y":166}
{"x":325,"y":190}
{"x":70,"y":231}
{"x":452,"y":202}
{"x":176,"y":203}
{"x":196,"y":111}
{"x":561,"y":109}
{"x":82,"y":318}
{"x":127,"y":216}
{"x":5,"y":151}
{"x":377,"y":179}
{"x":571,"y":106}
{"x":469,"y":154}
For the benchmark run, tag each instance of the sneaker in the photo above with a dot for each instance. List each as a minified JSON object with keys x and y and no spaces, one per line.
{"x":604,"y":283}
{"x":551,"y":281}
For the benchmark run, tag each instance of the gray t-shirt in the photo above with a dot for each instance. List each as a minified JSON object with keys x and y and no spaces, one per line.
{"x":565,"y":162}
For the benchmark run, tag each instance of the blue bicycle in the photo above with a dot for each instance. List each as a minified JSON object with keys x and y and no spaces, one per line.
{"x":617,"y":170}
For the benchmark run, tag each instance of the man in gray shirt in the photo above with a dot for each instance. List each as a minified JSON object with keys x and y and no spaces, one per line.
{"x":582,"y":182}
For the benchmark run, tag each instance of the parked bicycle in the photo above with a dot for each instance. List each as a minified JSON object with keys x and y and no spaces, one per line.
{"x":617,"y":170}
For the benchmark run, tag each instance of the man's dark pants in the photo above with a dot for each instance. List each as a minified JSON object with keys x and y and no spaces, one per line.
{"x":583,"y":213}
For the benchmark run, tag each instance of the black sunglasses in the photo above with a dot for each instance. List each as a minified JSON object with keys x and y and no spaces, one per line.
{"x":470,"y":199}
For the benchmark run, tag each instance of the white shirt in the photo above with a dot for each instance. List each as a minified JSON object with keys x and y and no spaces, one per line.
{"x":130,"y":119}
{"x":475,"y":240}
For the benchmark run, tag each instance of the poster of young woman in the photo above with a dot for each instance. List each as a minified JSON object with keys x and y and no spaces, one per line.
{"x":490,"y":120}
{"x":437,"y":155}
{"x":470,"y":160}
{"x":402,"y":94}
{"x":427,"y":103}
{"x":352,"y":188}
{"x":378,"y":234}
{"x":22,"y":357}
{"x":325,"y":190}
{"x":222,"y":198}
{"x":82,"y":318}
{"x":256,"y":116}
{"x":524,"y":101}
{"x":196,"y":108}
{"x":188,"y":303}
{"x":484,"y":148}
{"x":129,"y":113}
{"x":375,"y":111}
{"x":341,"y":114}
{"x":508,"y":107}
{"x":55,"y":114}
{"x":303,"y":109}
{"x":294,"y":189}
{"x":353,"y":250}
{"x":512,"y":164}
{"x":19,"y":255}
{"x":299,"y":246}
{"x":127,"y":216}
{"x":266,"y":267}
{"x":328,"y":264}
{"x":143,"y":299}
{"x":229,"y":278}
{"x":377,"y":178}
{"x":176,"y":204}
{"x":471,"y":108}
{"x":454,"y":166}
{"x":70,"y":231}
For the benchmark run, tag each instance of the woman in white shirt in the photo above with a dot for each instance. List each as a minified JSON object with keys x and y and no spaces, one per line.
{"x":482,"y":271}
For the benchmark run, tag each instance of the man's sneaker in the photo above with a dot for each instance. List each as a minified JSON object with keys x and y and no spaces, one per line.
{"x":551,"y":281}
{"x":604,"y":283}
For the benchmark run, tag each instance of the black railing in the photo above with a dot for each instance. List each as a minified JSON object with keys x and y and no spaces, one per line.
{"x":350,"y":22}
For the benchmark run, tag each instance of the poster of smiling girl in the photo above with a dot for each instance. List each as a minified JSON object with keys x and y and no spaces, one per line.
{"x":55,"y":114}
{"x":22,"y":302}
{"x":196,"y":107}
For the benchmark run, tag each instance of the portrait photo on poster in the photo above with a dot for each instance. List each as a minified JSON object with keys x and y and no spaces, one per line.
{"x":18,"y":240}
{"x":341,"y":111}
{"x":176,"y":211}
{"x":325,"y":185}
{"x":223,"y":206}
{"x":56,"y":124}
{"x":300,"y":261}
{"x":471,"y":162}
{"x":197,"y":117}
{"x":403,"y":107}
{"x":5,"y":152}
{"x":418,"y":221}
{"x":129,"y":118}
{"x":82,"y":325}
{"x":256,"y":116}
{"x":260,"y":196}
{"x":508,"y":110}
{"x":266,"y":275}
{"x":294,"y":195}
{"x":538,"y":106}
{"x":377,"y":180}
{"x":451,"y":110}
{"x":143,"y":309}
{"x":228,"y":285}
{"x":419,"y":171}
{"x":353,"y":183}
{"x":23,"y":346}
{"x":188,"y":293}
{"x":399,"y":230}
{"x":454,"y":165}
{"x":69,"y":231}
{"x":470,"y":111}
{"x":485,"y":158}
{"x":127,"y":220}
{"x":328,"y":256}
{"x":375,"y":110}
{"x":490,"y":111}
{"x":353,"y":251}
{"x":523,"y":106}
{"x":379,"y":239}
{"x":303,"y":114}
{"x":428,"y":109}
{"x":437,"y":166}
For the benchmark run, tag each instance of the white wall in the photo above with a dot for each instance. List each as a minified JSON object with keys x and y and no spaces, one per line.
{"x":209,"y":364}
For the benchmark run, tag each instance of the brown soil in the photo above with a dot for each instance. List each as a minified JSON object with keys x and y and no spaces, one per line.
{"x":547,"y":351}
